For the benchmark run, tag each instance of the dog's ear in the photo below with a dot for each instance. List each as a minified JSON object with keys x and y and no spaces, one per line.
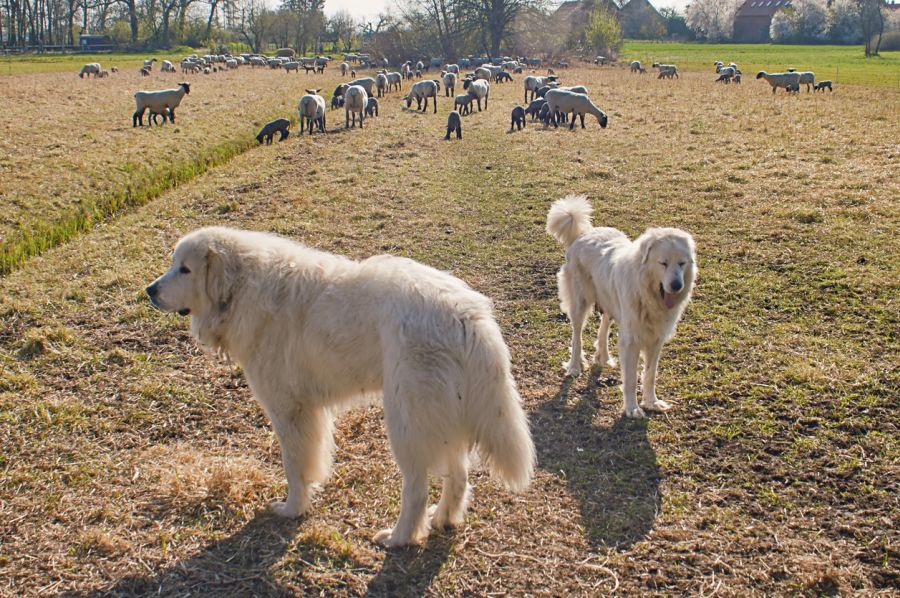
{"x":220,"y":275}
{"x":646,"y":246}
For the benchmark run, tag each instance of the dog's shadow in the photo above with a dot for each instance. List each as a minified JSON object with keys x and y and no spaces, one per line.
{"x":609,"y":466}
{"x":410,"y":571}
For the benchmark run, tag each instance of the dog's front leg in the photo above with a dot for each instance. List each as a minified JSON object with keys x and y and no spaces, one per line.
{"x":628,"y":356}
{"x":648,"y":382}
{"x":305,"y":436}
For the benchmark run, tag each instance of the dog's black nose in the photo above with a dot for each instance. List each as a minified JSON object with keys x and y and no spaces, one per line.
{"x":676,"y":285}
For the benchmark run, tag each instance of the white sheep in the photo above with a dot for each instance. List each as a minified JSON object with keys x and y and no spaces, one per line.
{"x":231,"y":63}
{"x":381,"y":83}
{"x":91,"y":68}
{"x":807,"y":78}
{"x":575,"y":89}
{"x":565,"y":101}
{"x":453,"y":68}
{"x":533,"y":83}
{"x":367,"y":83}
{"x":394,"y":79}
{"x":166,"y":67}
{"x":463,"y":103}
{"x":777,"y":80}
{"x":487,"y":72}
{"x":148,"y":64}
{"x":312,"y":111}
{"x":666,"y":70}
{"x":449,"y":83}
{"x":158,"y":102}
{"x":355,"y":100}
{"x":636,"y":66}
{"x":423,"y":90}
{"x":478,"y":89}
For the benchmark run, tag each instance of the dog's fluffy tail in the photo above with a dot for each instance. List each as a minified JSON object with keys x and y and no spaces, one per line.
{"x":495,"y":410}
{"x":569,"y":218}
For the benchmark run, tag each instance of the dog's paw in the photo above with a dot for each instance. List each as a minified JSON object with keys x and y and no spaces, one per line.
{"x":442,"y":519}
{"x":657,"y":406}
{"x":635,"y":413}
{"x":387,"y":539}
{"x":574,"y":368}
{"x":283,"y":509}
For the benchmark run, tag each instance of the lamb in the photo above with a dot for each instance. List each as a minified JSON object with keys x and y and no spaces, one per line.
{"x":533,"y":83}
{"x":344,"y":68}
{"x":666,"y":70}
{"x":566,"y":101}
{"x":114,"y":69}
{"x":821,"y":85}
{"x":91,"y":68}
{"x":393,"y":79}
{"x":478,"y":88}
{"x":807,"y":78}
{"x":103,"y":74}
{"x":267,"y":133}
{"x":355,"y":100}
{"x":777,"y":80}
{"x":534,"y":108}
{"x":381,"y":83}
{"x":541,"y":92}
{"x":454,"y":123}
{"x":406,"y":71}
{"x":337,"y":102}
{"x":145,"y":72}
{"x":502,"y":76}
{"x":148,"y":64}
{"x":372,"y":107}
{"x":518,"y":118}
{"x":545,"y":116}
{"x":312,"y":111}
{"x":453,"y":68}
{"x":353,"y":73}
{"x":167,"y":67}
{"x":726,"y":74}
{"x":483,"y":73}
{"x":291,"y":65}
{"x":636,"y":66}
{"x":463,"y":101}
{"x":449,"y":84}
{"x":424,"y":90}
{"x":158,"y":101}
{"x":792,"y":88}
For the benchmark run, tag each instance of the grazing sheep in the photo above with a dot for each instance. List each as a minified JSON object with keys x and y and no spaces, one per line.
{"x":483,"y":73}
{"x":551,"y":72}
{"x":454,"y":123}
{"x":344,"y":68}
{"x":463,"y":102}
{"x":502,"y":76}
{"x":166,"y":67}
{"x":533,"y":83}
{"x":267,"y":133}
{"x":666,"y":71}
{"x":562,"y":100}
{"x":420,"y":66}
{"x":91,"y":68}
{"x":337,"y":102}
{"x":372,"y":107}
{"x":148,"y":64}
{"x":534,"y":108}
{"x":807,"y":78}
{"x":103,"y":74}
{"x":381,"y":83}
{"x":636,"y":66}
{"x":355,"y":100}
{"x":394,"y":79}
{"x":449,"y":83}
{"x":545,"y":116}
{"x":541,"y":92}
{"x":422,"y":91}
{"x":367,"y":83}
{"x":145,"y":72}
{"x":158,"y":101}
{"x":312,"y":111}
{"x":114,"y":69}
{"x":575,"y":88}
{"x":517,"y":118}
{"x":777,"y":80}
{"x":478,"y":89}
{"x":418,"y":74}
{"x":291,"y":65}
{"x":821,"y":85}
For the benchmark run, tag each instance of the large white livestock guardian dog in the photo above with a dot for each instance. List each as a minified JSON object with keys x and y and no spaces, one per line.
{"x":316,"y":332}
{"x":644,"y":285}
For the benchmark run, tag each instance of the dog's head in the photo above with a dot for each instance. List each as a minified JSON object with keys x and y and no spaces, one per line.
{"x":200,"y":281}
{"x":668,"y":259}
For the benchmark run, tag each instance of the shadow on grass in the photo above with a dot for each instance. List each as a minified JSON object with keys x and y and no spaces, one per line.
{"x":238,"y":565}
{"x":610,"y":468}
{"x":410,"y":571}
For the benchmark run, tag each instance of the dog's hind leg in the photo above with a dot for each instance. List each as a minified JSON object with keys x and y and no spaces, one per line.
{"x":572,"y":303}
{"x":306,"y":443}
{"x":648,"y":381}
{"x":601,"y":355}
{"x":451,"y":510}
{"x":411,"y":527}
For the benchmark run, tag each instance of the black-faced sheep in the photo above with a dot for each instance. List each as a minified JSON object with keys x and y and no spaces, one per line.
{"x":372,"y":107}
{"x":267,"y":133}
{"x":158,"y":101}
{"x":91,"y":68}
{"x":463,"y":103}
{"x":534,"y":108}
{"x":454,"y":123}
{"x":517,"y":118}
{"x":822,"y":85}
{"x":502,"y":76}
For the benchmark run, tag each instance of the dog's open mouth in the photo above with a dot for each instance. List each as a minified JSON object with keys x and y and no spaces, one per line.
{"x":668,"y":298}
{"x":184,"y":312}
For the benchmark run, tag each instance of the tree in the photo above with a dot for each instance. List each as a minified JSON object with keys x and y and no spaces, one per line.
{"x":844,"y":24}
{"x":782,"y":29}
{"x":494,"y":17}
{"x":872,"y":23}
{"x":342,"y":29}
{"x":676,"y":24}
{"x":712,"y":20}
{"x":604,"y":34}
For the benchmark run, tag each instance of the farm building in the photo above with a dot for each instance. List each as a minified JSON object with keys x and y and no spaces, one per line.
{"x":753,"y":18}
{"x":638,"y":18}
{"x":95,"y":42}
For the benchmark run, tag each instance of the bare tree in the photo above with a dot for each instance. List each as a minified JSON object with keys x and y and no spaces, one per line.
{"x":872,"y":20}
{"x":712,"y":20}
{"x":494,"y":18}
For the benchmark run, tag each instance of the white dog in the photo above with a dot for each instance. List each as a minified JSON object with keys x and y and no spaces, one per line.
{"x":644,"y":285}
{"x":316,"y":332}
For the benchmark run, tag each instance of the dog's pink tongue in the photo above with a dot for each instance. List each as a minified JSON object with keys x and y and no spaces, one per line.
{"x":669,"y":299}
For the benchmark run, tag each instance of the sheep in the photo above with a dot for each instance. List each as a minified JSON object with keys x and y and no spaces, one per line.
{"x":453,"y":68}
{"x":534,"y":108}
{"x":267,"y":133}
{"x":502,"y":76}
{"x":454,"y":123}
{"x":777,"y":80}
{"x":355,"y":100}
{"x":114,"y":69}
{"x":541,"y":92}
{"x":381,"y":83}
{"x":807,"y":78}
{"x":367,"y":83}
{"x":484,"y":73}
{"x":792,"y":88}
{"x":463,"y":101}
{"x":666,"y":70}
{"x":312,"y":111}
{"x":478,"y":88}
{"x":344,"y":68}
{"x":420,"y":66}
{"x":91,"y":68}
{"x":736,"y":79}
{"x":517,"y":118}
{"x":148,"y":64}
{"x":393,"y":79}
{"x":144,"y":71}
{"x":449,"y":83}
{"x":152,"y":116}
{"x":636,"y":66}
{"x":566,"y":101}
{"x":103,"y":74}
{"x":166,"y":67}
{"x":821,"y":85}
{"x":575,"y":88}
{"x":424,"y":90}
{"x":726,"y":74}
{"x":406,"y":71}
{"x":545,"y":116}
{"x":337,"y":102}
{"x":158,"y":101}
{"x":353,"y":73}
{"x":551,"y":72}
{"x":372,"y":107}
{"x":533,"y":83}
{"x":291,"y":65}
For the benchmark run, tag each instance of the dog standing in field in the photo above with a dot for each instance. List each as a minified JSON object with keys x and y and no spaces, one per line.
{"x":316,"y":333}
{"x":644,"y":285}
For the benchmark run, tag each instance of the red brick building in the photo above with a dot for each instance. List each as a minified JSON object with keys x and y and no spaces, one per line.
{"x":753,"y":18}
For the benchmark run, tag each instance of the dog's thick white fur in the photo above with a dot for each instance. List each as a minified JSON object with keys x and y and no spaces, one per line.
{"x":644,"y":285}
{"x":316,"y":332}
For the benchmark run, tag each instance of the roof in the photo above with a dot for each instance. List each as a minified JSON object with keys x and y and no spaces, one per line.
{"x":761,"y":8}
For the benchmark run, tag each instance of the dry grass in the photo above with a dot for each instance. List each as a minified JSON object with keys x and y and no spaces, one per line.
{"x":134,"y":464}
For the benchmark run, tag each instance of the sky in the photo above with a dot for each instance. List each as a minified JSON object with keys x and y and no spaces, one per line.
{"x":371,"y":8}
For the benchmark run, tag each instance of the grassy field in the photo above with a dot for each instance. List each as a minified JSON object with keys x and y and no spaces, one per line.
{"x":30,"y":64}
{"x":841,"y":64}
{"x":133,"y":463}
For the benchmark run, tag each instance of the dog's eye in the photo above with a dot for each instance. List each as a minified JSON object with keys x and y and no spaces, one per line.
{"x":184,"y":270}
{"x":665,"y":264}
{"x":682,"y":264}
